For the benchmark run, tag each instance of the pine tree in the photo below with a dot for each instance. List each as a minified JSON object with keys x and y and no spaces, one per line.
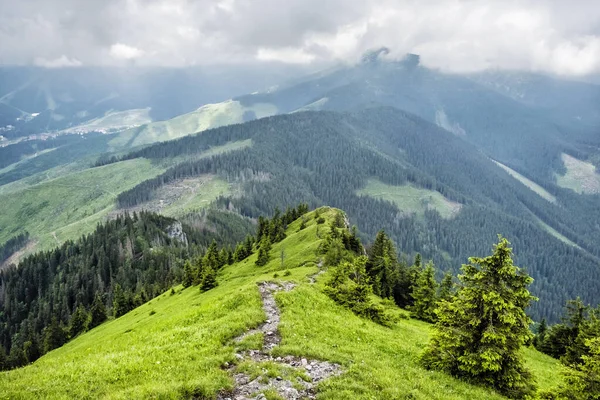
{"x":263,"y":252}
{"x":54,"y":336}
{"x":382,"y":266}
{"x":209,"y":279}
{"x":480,"y":331}
{"x":120,"y":303}
{"x":3,"y":359}
{"x":583,"y":382}
{"x":424,"y":295}
{"x":97,"y":312}
{"x":188,"y":274}
{"x":542,"y":330}
{"x":446,"y":288}
{"x":79,"y":321}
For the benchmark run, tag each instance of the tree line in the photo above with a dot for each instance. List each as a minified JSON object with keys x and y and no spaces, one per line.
{"x":55,"y":295}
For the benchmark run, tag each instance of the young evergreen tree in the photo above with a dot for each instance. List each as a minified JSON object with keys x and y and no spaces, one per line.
{"x":209,"y":278}
{"x":424,"y":295}
{"x":79,"y":321}
{"x":263,"y":252}
{"x":120,"y":302}
{"x":446,"y":289}
{"x":541,"y":334}
{"x":583,"y":382}
{"x":97,"y":312}
{"x":188,"y":274}
{"x":382,"y":266}
{"x":54,"y":336}
{"x":480,"y":331}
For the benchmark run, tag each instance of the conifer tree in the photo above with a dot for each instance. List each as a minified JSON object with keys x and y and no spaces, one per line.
{"x":382,"y":266}
{"x":209,"y":278}
{"x":263,"y":252}
{"x":54,"y":336}
{"x":79,"y":321}
{"x":120,"y":303}
{"x":583,"y":382}
{"x":248,"y":244}
{"x":541,"y":334}
{"x":97,"y":312}
{"x":480,"y":331}
{"x":424,"y":295}
{"x":446,"y":288}
{"x":188,"y":274}
{"x":3,"y":359}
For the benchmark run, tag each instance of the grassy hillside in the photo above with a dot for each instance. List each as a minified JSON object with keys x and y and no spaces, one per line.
{"x":410,"y":199}
{"x":580,"y":177}
{"x":206,"y":117}
{"x":179,"y":345}
{"x":66,"y":207}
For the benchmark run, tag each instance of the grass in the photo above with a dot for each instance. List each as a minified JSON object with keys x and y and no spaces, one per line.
{"x":527,"y":182}
{"x":206,"y":117}
{"x":187,"y":195}
{"x":175,"y":345}
{"x":554,"y":232}
{"x":67,"y":207}
{"x":580,"y":177}
{"x":114,"y":120}
{"x":410,"y":199}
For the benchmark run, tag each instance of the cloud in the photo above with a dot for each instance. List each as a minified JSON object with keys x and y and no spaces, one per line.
{"x":61,"y":62}
{"x":125,"y":52}
{"x":454,"y":35}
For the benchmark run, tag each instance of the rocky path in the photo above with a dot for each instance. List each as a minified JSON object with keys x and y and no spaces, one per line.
{"x":292,"y":389}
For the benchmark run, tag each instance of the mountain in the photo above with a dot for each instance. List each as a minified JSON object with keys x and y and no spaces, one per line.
{"x":270,"y":329}
{"x":442,"y":162}
{"x":85,"y":99}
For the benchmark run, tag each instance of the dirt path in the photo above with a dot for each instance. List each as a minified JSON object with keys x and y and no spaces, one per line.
{"x":316,"y":371}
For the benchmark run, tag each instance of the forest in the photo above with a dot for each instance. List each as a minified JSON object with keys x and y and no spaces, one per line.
{"x":325,"y":158}
{"x":124,"y":263}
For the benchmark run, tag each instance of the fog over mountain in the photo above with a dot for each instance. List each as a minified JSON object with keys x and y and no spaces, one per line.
{"x":454,"y":35}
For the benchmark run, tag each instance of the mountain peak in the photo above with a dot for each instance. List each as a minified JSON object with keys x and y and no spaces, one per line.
{"x":372,"y":56}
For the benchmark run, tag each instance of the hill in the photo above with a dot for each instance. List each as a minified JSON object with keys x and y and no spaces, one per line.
{"x":286,"y":332}
{"x":442,"y":162}
{"x":431,"y":191}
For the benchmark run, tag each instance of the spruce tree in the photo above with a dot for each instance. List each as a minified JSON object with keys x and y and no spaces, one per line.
{"x":424,"y":295}
{"x":480,"y":331}
{"x":263,"y":252}
{"x":120,"y":303}
{"x":583,"y":382}
{"x":445,"y":291}
{"x":382,"y":266}
{"x":54,"y":336}
{"x":542,"y":330}
{"x":188,"y":274}
{"x":97,"y":312}
{"x":209,"y":278}
{"x":79,"y":321}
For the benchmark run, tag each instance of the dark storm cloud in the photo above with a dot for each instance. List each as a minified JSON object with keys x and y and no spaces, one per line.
{"x":552,"y":36}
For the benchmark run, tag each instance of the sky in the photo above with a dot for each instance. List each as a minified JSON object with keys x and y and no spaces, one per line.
{"x":552,"y":36}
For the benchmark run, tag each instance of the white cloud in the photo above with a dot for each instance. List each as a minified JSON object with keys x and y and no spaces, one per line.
{"x":286,"y":55}
{"x":455,"y":35}
{"x":61,"y":62}
{"x":125,"y":52}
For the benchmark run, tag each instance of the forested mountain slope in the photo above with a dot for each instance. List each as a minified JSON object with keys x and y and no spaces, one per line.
{"x":272,"y":329}
{"x":331,"y":158}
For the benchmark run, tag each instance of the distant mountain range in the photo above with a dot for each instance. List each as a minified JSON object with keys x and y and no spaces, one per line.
{"x":442,"y":162}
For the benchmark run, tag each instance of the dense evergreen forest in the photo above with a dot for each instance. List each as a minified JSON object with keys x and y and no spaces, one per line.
{"x":12,"y":245}
{"x":125,"y":262}
{"x":324,"y":158}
